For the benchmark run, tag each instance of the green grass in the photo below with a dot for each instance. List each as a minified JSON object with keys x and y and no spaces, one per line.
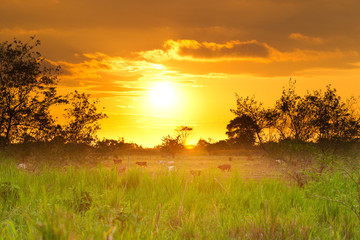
{"x":100,"y":204}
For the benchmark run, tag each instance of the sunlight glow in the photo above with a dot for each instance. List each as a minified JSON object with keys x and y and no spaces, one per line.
{"x":163,"y":95}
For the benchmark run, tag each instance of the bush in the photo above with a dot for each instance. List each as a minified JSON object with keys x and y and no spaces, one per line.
{"x":9,"y":192}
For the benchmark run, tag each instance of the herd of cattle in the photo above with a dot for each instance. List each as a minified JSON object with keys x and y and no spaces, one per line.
{"x":170,"y":165}
{"x":121,"y":168}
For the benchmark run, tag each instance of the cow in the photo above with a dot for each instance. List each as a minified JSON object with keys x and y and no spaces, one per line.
{"x":117,"y":161}
{"x":26,"y":166}
{"x":142,"y":164}
{"x":167,"y":163}
{"x":121,"y":170}
{"x":170,"y":163}
{"x":225,"y":167}
{"x":195,"y":172}
{"x":171,"y":169}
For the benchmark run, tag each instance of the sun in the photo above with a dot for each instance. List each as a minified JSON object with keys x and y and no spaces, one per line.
{"x":163,"y":95}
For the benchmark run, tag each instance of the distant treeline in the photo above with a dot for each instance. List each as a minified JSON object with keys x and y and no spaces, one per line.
{"x":28,"y":97}
{"x":315,"y":117}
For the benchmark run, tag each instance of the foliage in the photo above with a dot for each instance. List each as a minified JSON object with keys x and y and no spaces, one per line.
{"x":242,"y":130}
{"x":318,"y":116}
{"x":262,"y":209}
{"x":183,"y":133}
{"x":27,"y":91}
{"x":333,"y":119}
{"x":175,"y":144}
{"x":82,"y":119}
{"x":294,"y":116}
{"x":341,"y":186}
{"x":171,"y":145}
{"x":251,"y":121}
{"x":9,"y":192}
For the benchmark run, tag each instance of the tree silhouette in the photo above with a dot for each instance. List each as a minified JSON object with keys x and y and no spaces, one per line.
{"x":333,"y":119}
{"x":294,"y":115}
{"x":251,"y":118}
{"x":317,"y":116}
{"x":82,"y":119}
{"x":27,"y":91}
{"x":242,"y":131}
{"x":175,"y":144}
{"x":183,"y":133}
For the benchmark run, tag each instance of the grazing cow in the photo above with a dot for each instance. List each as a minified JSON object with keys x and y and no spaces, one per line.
{"x":167,"y":163}
{"x":22,"y":166}
{"x":170,"y":163}
{"x":171,"y":169}
{"x":121,"y":170}
{"x":195,"y":172}
{"x":117,"y":161}
{"x":162,"y":162}
{"x":225,"y":167}
{"x":142,"y":164}
{"x":26,"y":166}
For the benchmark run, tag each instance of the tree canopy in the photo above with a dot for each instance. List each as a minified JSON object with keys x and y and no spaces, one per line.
{"x":28,"y":91}
{"x":316,"y":116}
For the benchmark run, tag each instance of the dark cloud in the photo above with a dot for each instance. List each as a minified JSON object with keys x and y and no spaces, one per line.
{"x":118,"y":28}
{"x":263,"y":20}
{"x":234,"y":49}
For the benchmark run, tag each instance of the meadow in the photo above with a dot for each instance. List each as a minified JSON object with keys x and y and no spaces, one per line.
{"x":98,"y":202}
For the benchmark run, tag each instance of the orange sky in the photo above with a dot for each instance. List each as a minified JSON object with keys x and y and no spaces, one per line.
{"x":204,"y":51}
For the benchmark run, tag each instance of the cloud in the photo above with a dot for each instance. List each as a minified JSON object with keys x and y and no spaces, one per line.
{"x":251,"y":51}
{"x":232,"y":49}
{"x":304,"y":38}
{"x":208,"y":51}
{"x":102,"y":74}
{"x":18,"y":31}
{"x":311,"y":55}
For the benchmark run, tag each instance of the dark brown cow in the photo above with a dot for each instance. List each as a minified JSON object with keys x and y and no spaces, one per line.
{"x":195,"y":172}
{"x":118,"y":161}
{"x":142,"y":164}
{"x":225,"y":167}
{"x":121,"y":170}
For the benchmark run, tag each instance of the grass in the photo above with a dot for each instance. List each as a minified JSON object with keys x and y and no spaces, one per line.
{"x":100,"y":204}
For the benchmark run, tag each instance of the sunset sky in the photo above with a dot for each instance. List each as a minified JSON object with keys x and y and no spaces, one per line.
{"x":157,"y":64}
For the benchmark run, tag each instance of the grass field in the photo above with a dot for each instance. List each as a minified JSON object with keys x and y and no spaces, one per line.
{"x":100,"y":203}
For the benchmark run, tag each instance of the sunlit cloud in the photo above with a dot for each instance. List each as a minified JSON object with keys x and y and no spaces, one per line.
{"x":251,"y":51}
{"x":192,"y":50}
{"x":311,"y":55}
{"x":102,"y":74}
{"x":18,"y":31}
{"x":302,"y":37}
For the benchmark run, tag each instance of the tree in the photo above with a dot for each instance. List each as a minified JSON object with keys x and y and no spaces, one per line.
{"x":242,"y":131}
{"x":27,"y":91}
{"x":183,"y":133}
{"x":82,"y":119}
{"x":175,"y":144}
{"x":319,"y":116}
{"x":171,"y":145}
{"x":294,"y":115}
{"x":251,"y":120}
{"x":333,"y":119}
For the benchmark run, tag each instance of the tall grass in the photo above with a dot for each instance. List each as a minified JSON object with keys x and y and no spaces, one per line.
{"x":100,"y":204}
